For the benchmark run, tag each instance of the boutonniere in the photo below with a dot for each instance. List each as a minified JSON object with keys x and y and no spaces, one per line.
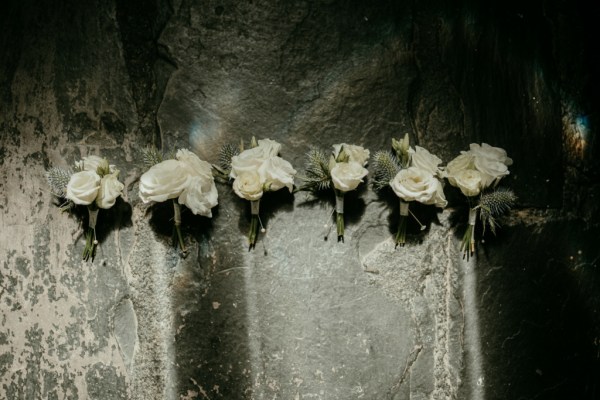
{"x":93,"y":183}
{"x":185,"y":180}
{"x":254,"y":171}
{"x":414,"y":175}
{"x":343,"y":170}
{"x":477,"y":173}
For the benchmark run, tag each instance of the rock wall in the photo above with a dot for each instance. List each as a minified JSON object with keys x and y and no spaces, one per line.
{"x":299,"y":317}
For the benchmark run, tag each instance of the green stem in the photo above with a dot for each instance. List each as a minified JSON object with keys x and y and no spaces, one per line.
{"x":177,"y":218}
{"x":89,"y":251}
{"x":402,"y":223}
{"x":467,"y":245}
{"x":253,"y":232}
{"x":401,"y":234}
{"x":254,"y":222}
{"x":339,"y":217}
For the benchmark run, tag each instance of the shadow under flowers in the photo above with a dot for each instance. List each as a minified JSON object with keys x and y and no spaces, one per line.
{"x":193,"y":226}
{"x":108,"y":220}
{"x":270,"y":204}
{"x":419,"y":223}
{"x":354,"y":207}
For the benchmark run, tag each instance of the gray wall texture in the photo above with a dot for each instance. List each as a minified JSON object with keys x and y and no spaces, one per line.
{"x":299,"y":317}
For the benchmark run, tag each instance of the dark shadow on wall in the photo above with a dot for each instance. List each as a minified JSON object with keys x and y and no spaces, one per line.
{"x":539,"y":304}
{"x":210,"y":309}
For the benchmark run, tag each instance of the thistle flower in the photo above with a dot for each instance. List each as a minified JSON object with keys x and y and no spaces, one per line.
{"x":385,"y":168}
{"x":493,"y":205}
{"x":317,"y":176}
{"x":342,"y":170}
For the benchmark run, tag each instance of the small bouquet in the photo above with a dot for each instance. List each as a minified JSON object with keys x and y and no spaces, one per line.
{"x":186,"y":180}
{"x":255,"y":171}
{"x":343,"y":171}
{"x":94,"y":184}
{"x":413,"y":175}
{"x":476,"y":173}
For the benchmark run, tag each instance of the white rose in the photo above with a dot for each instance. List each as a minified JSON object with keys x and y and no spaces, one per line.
{"x":423,"y":159}
{"x":110,"y":189}
{"x":248,"y":186}
{"x":193,"y":165}
{"x":83,"y":187}
{"x":247,"y":161}
{"x":491,"y":161}
{"x":268,"y":147}
{"x":347,"y":176}
{"x":416,"y":184}
{"x":469,"y":181}
{"x":464,"y":161}
{"x":163,"y":181}
{"x":355,"y":153}
{"x":200,"y":195}
{"x":491,"y":152}
{"x":276,"y":173}
{"x":91,"y":163}
{"x":251,"y":159}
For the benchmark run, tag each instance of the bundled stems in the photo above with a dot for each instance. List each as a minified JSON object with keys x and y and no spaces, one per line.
{"x":401,"y":234}
{"x":253,"y":233}
{"x":339,"y":211}
{"x":91,"y":242}
{"x":468,"y":242}
{"x":177,"y":219}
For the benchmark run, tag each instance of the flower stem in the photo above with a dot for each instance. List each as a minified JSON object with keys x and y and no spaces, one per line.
{"x":467,"y":245}
{"x":401,"y":234}
{"x":339,"y":211}
{"x":89,"y":251}
{"x":253,"y":233}
{"x":177,"y":219}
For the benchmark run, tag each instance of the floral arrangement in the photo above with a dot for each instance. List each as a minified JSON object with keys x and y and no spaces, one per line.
{"x":95,"y":184}
{"x":413,"y":175}
{"x":477,"y":172}
{"x":185,"y":180}
{"x":254,"y":171}
{"x":343,"y":170}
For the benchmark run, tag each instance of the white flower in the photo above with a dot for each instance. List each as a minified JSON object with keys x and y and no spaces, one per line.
{"x":268,"y":147}
{"x":110,"y":189}
{"x":355,"y":153}
{"x":423,"y":159}
{"x":416,"y":184}
{"x":200,"y":195}
{"x":276,"y":173}
{"x":91,"y":163}
{"x":83,"y":187}
{"x":463,"y":161}
{"x":347,"y":176}
{"x":469,"y":181}
{"x":251,"y":159}
{"x":163,"y":181}
{"x":193,"y":164}
{"x":491,"y":161}
{"x":248,"y":186}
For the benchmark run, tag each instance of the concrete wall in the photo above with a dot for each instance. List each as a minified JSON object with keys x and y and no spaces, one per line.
{"x":299,"y":317}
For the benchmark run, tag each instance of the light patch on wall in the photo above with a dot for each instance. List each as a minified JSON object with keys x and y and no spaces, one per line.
{"x":201,"y":133}
{"x":582,"y":128}
{"x":577,"y":131}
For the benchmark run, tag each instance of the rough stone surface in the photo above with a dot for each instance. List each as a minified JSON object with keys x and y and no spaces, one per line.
{"x":299,"y":317}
